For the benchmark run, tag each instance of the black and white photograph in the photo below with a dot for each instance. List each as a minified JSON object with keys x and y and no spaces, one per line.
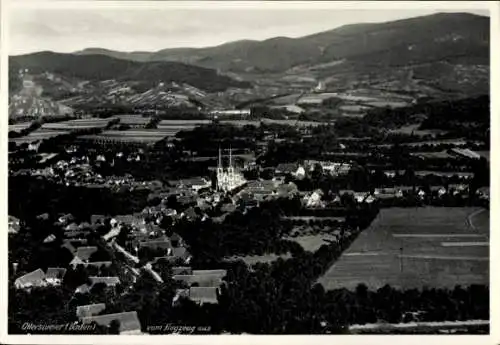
{"x":262,"y":169}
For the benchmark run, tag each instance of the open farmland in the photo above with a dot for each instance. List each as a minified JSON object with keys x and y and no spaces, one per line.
{"x":18,"y":127}
{"x":38,"y":135}
{"x":416,"y":247}
{"x":172,"y":127}
{"x":414,"y":130}
{"x":383,"y":104}
{"x":139,"y":136}
{"x":77,"y":124}
{"x":257,"y":123}
{"x":454,"y":142}
{"x":133,"y":120}
{"x":312,"y":243}
{"x":433,"y":155}
{"x":254,"y":259}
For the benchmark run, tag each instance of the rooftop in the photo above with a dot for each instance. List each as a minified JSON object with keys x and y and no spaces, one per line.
{"x":55,"y":273}
{"x":203,"y":294}
{"x":129,"y":321}
{"x":89,"y":310}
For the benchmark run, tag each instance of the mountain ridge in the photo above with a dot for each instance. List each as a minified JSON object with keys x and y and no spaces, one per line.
{"x":277,"y":54}
{"x":98,"y":67}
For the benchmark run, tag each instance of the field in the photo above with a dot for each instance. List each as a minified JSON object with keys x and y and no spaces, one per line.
{"x":416,"y":247}
{"x":455,"y":142}
{"x":132,"y":120}
{"x":256,"y":123}
{"x":19,"y":126}
{"x":254,"y":259}
{"x":131,"y":136}
{"x":311,"y":243}
{"x":38,"y":135}
{"x":390,"y":104}
{"x":441,"y":154}
{"x":414,"y":129}
{"x":172,"y":127}
{"x":185,"y":123}
{"x":77,"y":124}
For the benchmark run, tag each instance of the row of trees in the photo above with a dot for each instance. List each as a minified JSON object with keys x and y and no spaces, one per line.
{"x":30,"y":196}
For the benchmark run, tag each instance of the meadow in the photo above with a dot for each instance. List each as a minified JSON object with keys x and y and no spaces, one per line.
{"x":417,"y":247}
{"x":38,"y":135}
{"x":312,"y":243}
{"x":77,"y":124}
{"x":254,"y":259}
{"x":18,"y":127}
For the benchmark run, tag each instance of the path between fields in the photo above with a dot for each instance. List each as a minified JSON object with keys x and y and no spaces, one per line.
{"x":469,"y":218}
{"x":420,"y":324}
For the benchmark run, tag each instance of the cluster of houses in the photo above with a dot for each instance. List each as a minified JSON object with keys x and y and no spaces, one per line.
{"x":315,"y":199}
{"x":79,"y":171}
{"x":38,"y":278}
{"x":201,"y":286}
{"x":301,"y":170}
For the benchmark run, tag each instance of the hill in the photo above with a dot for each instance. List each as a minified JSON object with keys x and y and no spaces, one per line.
{"x":98,"y":67}
{"x":452,"y":37}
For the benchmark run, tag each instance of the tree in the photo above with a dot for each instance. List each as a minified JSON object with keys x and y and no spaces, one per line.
{"x":114,"y":327}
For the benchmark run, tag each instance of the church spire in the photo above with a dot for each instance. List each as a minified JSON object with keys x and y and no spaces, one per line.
{"x":220,"y":159}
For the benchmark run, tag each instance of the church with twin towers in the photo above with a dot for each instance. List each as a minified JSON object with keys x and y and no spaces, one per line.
{"x":228,"y":179}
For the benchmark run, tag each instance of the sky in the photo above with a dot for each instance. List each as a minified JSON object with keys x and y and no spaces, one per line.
{"x":69,"y":29}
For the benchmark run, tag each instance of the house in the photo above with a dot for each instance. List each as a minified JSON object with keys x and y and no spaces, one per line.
{"x":360,"y":196}
{"x":181,"y":270}
{"x":89,"y":310}
{"x":55,"y":275}
{"x":197,"y":294}
{"x":109,"y":281}
{"x":286,"y":168}
{"x":439,"y":190}
{"x":32,"y":279}
{"x":483,"y":193}
{"x":369,"y":199}
{"x":458,"y":188}
{"x":207,"y":280}
{"x":195,"y":184}
{"x":129,"y":219}
{"x":156,"y":244}
{"x":300,"y":173}
{"x":14,"y":225}
{"x":82,"y":255}
{"x":204,"y":295}
{"x":314,"y":200}
{"x":388,"y":192}
{"x":220,"y":273}
{"x":97,"y":264}
{"x":49,"y":239}
{"x":129,"y":321}
{"x":66,"y":219}
{"x":71,"y":227}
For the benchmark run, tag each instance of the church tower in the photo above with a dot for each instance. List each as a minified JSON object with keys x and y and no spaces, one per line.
{"x":220,"y":171}
{"x":230,"y":169}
